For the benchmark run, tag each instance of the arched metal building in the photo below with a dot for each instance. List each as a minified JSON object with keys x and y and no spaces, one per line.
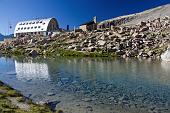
{"x":36,"y":27}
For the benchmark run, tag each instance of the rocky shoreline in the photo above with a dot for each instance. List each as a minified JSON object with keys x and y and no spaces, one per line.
{"x":148,"y":39}
{"x":11,"y":101}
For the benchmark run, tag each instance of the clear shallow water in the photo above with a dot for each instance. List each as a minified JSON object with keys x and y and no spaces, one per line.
{"x":130,"y":82}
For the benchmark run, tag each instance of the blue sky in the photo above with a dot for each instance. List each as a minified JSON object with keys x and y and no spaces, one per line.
{"x":69,"y":12}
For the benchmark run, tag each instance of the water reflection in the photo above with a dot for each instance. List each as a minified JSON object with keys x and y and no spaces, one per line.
{"x":6,"y":65}
{"x":119,"y":71}
{"x":31,"y":70}
{"x":166,"y":67}
{"x":110,"y":70}
{"x":139,"y":80}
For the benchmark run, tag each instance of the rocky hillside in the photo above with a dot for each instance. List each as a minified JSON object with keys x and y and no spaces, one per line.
{"x":147,"y":39}
{"x":133,"y":19}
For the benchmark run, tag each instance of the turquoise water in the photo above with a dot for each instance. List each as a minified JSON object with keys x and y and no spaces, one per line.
{"x":129,"y":82}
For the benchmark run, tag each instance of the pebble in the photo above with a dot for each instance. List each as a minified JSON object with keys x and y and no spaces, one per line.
{"x":50,"y":94}
{"x":90,"y":108}
{"x":87,"y":99}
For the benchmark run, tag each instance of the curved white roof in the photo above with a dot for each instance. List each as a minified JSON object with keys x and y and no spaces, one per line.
{"x":37,"y":25}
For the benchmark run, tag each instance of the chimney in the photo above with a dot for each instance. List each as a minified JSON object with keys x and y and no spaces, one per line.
{"x":95,"y":19}
{"x":68,"y":28}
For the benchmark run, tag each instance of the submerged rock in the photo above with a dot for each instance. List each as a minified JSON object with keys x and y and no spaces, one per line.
{"x":50,"y":94}
{"x":53,"y":105}
{"x":87,"y":99}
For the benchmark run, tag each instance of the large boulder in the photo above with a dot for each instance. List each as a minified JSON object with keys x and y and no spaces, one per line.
{"x":72,"y":46}
{"x":120,"y":52}
{"x":101,"y":43}
{"x":33,"y":53}
{"x":145,"y":28}
{"x":91,"y":49}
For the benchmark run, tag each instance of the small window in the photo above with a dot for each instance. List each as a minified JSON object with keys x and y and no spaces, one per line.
{"x":30,"y":23}
{"x":28,"y":27}
{"x":18,"y":28}
{"x":20,"y":24}
{"x":23,"y":24}
{"x":40,"y":21}
{"x":24,"y":27}
{"x":33,"y":23}
{"x":37,"y":22}
{"x":43,"y":23}
{"x":35,"y":27}
{"x":31,"y":27}
{"x":26,"y":23}
{"x":39,"y":26}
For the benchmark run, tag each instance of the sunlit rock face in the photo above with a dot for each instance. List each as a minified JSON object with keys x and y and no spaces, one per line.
{"x":166,"y":56}
{"x":34,"y":71}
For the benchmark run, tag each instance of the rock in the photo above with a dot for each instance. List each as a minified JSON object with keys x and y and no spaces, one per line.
{"x":129,"y":44}
{"x":72,"y":46}
{"x":103,"y":37}
{"x":90,"y":44}
{"x":108,"y":33}
{"x":77,"y":104}
{"x":92,"y":40}
{"x":142,"y":54}
{"x":77,"y":48}
{"x":143,"y":23}
{"x":115,"y":35}
{"x":111,"y":98}
{"x":119,"y":52}
{"x":71,"y":41}
{"x":65,"y":79}
{"x":41,"y":103}
{"x":87,"y":99}
{"x":53,"y":104}
{"x":150,"y":53}
{"x":91,"y":49}
{"x":32,"y":41}
{"x":131,"y":53}
{"x":114,"y":49}
{"x":50,"y":94}
{"x":146,"y":28}
{"x":117,"y":40}
{"x":138,"y":35}
{"x":101,"y":42}
{"x":89,"y":108}
{"x":120,"y":46}
{"x":33,"y":53}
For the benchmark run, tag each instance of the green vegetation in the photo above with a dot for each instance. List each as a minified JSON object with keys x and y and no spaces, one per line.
{"x":64,"y":52}
{"x":53,"y":52}
{"x":7,"y":106}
